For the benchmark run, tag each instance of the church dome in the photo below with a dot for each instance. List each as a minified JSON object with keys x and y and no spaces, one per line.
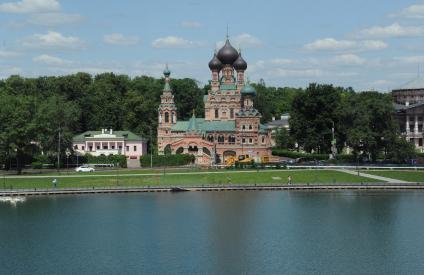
{"x":215,"y":64}
{"x":248,"y":90}
{"x":166,"y":72}
{"x":240,"y":64}
{"x":227,"y":54}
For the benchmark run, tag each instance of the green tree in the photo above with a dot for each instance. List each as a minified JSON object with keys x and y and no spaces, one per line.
{"x":17,"y":129}
{"x":312,"y":115}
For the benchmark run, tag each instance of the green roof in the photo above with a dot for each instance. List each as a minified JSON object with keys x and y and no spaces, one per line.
{"x":126,"y":135}
{"x":202,"y":125}
{"x":262,"y":129}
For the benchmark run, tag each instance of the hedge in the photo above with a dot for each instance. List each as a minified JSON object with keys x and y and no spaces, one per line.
{"x":120,"y":160}
{"x":167,"y":160}
{"x":295,"y":155}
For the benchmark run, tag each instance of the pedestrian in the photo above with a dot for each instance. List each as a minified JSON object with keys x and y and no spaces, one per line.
{"x":289,"y":180}
{"x":54,"y":181}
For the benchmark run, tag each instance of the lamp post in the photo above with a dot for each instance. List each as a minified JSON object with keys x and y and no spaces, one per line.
{"x":68,"y":153}
{"x":151,"y":148}
{"x":58,"y":152}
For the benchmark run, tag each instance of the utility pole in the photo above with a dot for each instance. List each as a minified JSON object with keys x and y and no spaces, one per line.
{"x":151,"y":148}
{"x":58,"y":152}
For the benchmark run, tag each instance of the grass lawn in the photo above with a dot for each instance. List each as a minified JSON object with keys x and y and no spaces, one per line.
{"x":410,"y":175}
{"x":111,"y":171}
{"x":235,"y":177}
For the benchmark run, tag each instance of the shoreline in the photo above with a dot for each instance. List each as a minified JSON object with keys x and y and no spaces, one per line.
{"x":215,"y":188}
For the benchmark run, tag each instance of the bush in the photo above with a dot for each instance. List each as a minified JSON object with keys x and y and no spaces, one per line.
{"x":295,"y":155}
{"x":167,"y":160}
{"x":116,"y":160}
{"x":37,"y":165}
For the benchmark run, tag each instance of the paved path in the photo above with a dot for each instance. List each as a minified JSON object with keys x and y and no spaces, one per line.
{"x":389,"y":180}
{"x":323,"y":187}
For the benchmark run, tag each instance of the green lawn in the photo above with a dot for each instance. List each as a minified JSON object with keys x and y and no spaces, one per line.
{"x":255,"y":177}
{"x":111,"y":171}
{"x":410,"y":175}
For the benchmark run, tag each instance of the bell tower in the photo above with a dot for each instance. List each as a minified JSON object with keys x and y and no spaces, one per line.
{"x":167,"y":112}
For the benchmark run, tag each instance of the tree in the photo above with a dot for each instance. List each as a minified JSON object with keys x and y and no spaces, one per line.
{"x":312,"y":115}
{"x":283,"y":139}
{"x":17,"y":128}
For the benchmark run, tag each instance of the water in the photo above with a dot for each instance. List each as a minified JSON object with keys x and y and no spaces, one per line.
{"x":215,"y":233}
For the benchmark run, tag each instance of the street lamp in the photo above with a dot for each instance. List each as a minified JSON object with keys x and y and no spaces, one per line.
{"x":58,"y":152}
{"x":151,"y":148}
{"x":68,"y":153}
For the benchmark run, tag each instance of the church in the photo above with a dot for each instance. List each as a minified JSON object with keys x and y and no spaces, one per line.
{"x":231,"y":125}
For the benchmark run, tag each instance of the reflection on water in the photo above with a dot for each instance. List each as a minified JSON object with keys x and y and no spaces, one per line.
{"x":12,"y":200}
{"x":215,"y":232}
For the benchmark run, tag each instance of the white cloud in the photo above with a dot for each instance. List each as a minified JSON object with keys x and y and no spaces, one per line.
{"x":53,"y":41}
{"x":246,"y":40}
{"x":243,"y":40}
{"x":176,"y":42}
{"x":331,"y":44}
{"x":120,"y":39}
{"x":414,"y":11}
{"x":299,"y":73}
{"x":191,"y":24}
{"x":30,"y":6}
{"x":348,"y":59}
{"x":51,"y":60}
{"x":394,"y":30}
{"x":410,"y":59}
{"x":6,"y":71}
{"x":54,"y":19}
{"x":8,"y":54}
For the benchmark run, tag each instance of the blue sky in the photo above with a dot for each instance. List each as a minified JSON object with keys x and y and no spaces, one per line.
{"x":364,"y":44}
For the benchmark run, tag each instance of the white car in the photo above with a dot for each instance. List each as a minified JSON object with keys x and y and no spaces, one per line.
{"x":84,"y":168}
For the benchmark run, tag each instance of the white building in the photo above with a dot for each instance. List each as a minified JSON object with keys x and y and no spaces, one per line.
{"x":108,"y":142}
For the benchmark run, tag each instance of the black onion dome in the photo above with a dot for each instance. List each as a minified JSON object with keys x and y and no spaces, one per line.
{"x":240,"y":64}
{"x":215,"y":64}
{"x":227,"y":54}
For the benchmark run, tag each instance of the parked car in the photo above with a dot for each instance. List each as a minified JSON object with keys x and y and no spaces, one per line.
{"x":84,"y":168}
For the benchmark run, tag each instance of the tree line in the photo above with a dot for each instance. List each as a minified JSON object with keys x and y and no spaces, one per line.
{"x":363,"y":121}
{"x":33,"y":111}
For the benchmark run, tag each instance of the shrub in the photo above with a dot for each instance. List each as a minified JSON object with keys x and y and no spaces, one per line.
{"x":295,"y":155}
{"x":116,"y":160}
{"x":37,"y":165}
{"x":167,"y":160}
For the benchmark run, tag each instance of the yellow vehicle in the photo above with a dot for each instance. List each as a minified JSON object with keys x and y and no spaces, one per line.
{"x":241,"y":159}
{"x":270,"y":159}
{"x":244,"y":159}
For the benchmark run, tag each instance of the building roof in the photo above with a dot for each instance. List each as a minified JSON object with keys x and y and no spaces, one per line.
{"x":278,"y":123}
{"x":227,"y":54}
{"x":200,"y":124}
{"x":415,"y":84}
{"x":400,"y":107}
{"x":126,"y":135}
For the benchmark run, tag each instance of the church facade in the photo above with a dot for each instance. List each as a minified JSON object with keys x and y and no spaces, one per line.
{"x":230,"y":126}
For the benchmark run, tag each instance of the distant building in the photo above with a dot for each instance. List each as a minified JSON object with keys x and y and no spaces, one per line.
{"x":276,"y":124}
{"x":230,"y":126}
{"x":108,"y":142}
{"x":409,"y":104}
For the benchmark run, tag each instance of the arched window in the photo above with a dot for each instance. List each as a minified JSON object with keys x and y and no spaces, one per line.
{"x":216,"y":113}
{"x":250,"y":127}
{"x":231,"y":139}
{"x":210,"y":138}
{"x":221,"y":139}
{"x":243,"y":127}
{"x":172,"y":118}
{"x":166,"y":117}
{"x":231,"y":113}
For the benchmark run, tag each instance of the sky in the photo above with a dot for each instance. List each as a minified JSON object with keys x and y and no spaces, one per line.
{"x":367,"y":45}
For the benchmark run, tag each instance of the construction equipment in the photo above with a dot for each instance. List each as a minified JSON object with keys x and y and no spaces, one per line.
{"x":246,"y":159}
